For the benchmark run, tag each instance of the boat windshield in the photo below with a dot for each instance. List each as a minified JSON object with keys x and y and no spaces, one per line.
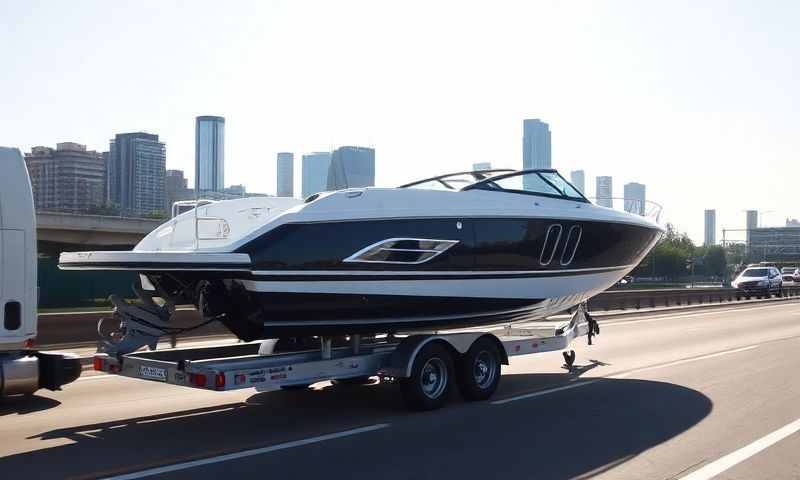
{"x":455,"y":181}
{"x":536,"y":182}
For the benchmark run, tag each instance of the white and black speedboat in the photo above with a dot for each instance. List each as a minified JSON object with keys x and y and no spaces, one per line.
{"x":459,"y":250}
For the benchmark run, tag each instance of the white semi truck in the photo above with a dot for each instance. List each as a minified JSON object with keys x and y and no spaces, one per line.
{"x":23,"y":370}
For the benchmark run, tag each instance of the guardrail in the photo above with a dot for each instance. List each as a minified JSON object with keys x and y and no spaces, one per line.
{"x":81,"y":328}
{"x":637,"y":299}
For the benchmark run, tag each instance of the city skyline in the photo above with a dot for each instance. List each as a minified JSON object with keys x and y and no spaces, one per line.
{"x":593,"y":85}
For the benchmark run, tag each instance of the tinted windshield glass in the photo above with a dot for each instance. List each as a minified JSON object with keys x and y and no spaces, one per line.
{"x":528,"y":182}
{"x":755,"y":272}
{"x":561,"y":184}
{"x":788,"y":270}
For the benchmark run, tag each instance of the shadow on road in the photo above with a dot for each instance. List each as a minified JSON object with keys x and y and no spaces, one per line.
{"x":21,"y":404}
{"x":565,"y":434}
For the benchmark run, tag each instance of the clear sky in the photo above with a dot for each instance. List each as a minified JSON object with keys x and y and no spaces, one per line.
{"x":698,"y":100}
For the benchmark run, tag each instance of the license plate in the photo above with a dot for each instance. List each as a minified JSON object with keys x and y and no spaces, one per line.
{"x":154,"y":373}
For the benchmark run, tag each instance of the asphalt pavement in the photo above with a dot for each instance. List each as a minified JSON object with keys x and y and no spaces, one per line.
{"x":683,"y":395}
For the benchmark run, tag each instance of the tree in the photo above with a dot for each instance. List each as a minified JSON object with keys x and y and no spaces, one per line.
{"x":669,"y":257}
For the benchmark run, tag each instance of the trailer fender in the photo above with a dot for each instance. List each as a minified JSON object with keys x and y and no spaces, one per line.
{"x":402,"y":358}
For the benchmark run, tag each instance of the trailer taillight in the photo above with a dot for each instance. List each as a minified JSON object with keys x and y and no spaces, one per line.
{"x":98,"y":364}
{"x":197,"y":379}
{"x":219,"y":381}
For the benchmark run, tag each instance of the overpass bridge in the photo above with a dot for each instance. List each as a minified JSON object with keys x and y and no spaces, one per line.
{"x":92,"y":230}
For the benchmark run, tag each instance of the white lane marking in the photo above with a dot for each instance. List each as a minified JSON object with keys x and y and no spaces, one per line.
{"x":685,"y":360}
{"x":720,"y":465}
{"x":621,"y":375}
{"x":246,"y":453}
{"x":544,"y":392}
{"x":611,"y":323}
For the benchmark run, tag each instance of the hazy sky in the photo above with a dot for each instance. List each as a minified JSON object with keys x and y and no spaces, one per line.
{"x":698,"y":100}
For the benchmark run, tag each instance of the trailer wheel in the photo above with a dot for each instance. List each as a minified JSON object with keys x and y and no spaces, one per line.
{"x":429,"y":384}
{"x":479,"y":370}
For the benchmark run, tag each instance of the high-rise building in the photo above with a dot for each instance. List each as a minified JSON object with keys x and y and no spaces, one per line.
{"x":710,"y":237}
{"x":67,"y":178}
{"x":136,"y":173}
{"x":209,"y":153}
{"x":535,"y":144}
{"x":604,"y":192}
{"x":315,"y":172}
{"x":634,"y":194}
{"x":176,"y":186}
{"x":578,"y":179}
{"x":752,"y":223}
{"x":477,"y":167}
{"x":285,"y":174}
{"x":351,"y":167}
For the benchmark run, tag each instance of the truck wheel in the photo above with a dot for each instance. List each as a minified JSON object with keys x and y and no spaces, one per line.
{"x":479,"y":370}
{"x":429,"y":384}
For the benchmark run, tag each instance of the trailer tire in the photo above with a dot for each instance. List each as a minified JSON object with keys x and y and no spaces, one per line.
{"x":431,"y":377}
{"x":479,"y":370}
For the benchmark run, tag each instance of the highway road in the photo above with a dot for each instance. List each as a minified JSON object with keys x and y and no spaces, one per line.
{"x":686,"y":395}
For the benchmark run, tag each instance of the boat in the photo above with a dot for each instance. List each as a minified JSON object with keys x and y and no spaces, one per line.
{"x":460,"y":250}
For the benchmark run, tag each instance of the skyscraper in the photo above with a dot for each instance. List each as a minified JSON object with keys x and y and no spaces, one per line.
{"x":209,"y":153}
{"x":535,"y":144}
{"x":604,"y":192}
{"x":710,"y":237}
{"x":476,"y":167}
{"x":578,"y":179}
{"x":136,"y":173}
{"x":315,"y":172}
{"x":176,"y":187}
{"x":352,"y":167}
{"x":634,"y":194}
{"x":67,"y":178}
{"x":285,"y":174}
{"x":752,"y":223}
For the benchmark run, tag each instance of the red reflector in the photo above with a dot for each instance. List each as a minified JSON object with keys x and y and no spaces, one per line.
{"x":29,"y":343}
{"x":219,"y":381}
{"x":198,"y":379}
{"x":98,"y":364}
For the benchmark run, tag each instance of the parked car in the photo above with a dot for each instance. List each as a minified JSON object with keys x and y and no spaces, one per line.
{"x":759,"y":281}
{"x":791,"y":275}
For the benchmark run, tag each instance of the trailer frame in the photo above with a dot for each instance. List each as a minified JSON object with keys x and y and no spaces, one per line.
{"x":253,"y":365}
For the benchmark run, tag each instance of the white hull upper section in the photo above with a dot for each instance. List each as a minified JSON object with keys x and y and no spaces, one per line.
{"x":227,"y":225}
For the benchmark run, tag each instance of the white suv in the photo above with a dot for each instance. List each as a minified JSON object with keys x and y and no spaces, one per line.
{"x":759,"y":281}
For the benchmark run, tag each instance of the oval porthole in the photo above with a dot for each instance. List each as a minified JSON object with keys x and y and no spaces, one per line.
{"x":551,"y":240}
{"x":571,"y":245}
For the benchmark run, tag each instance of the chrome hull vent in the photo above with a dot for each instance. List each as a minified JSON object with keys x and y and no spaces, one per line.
{"x":405,"y":251}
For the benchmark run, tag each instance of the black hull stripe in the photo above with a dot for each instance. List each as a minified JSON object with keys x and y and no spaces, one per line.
{"x":429,"y":276}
